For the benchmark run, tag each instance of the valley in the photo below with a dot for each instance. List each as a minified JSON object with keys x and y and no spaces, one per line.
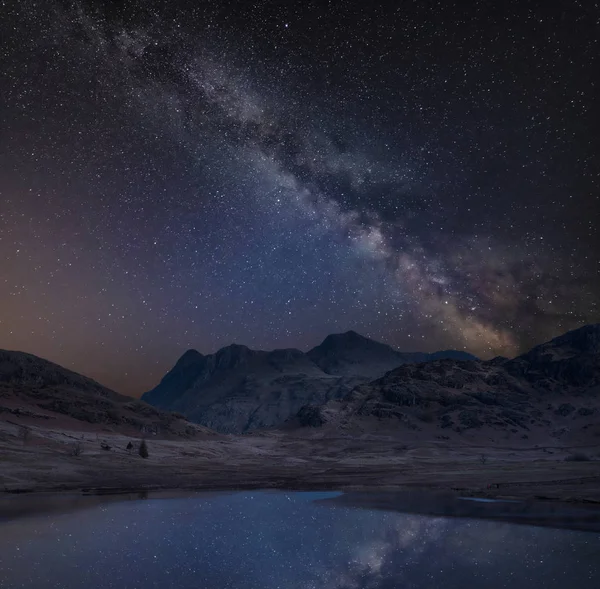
{"x":521,"y":428}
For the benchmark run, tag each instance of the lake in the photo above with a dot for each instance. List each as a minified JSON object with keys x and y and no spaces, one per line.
{"x":292,"y":540}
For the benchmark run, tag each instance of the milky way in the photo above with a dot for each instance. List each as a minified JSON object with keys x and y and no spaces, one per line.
{"x":177,"y":177}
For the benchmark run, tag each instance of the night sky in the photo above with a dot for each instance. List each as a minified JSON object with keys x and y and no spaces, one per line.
{"x":177,"y":175}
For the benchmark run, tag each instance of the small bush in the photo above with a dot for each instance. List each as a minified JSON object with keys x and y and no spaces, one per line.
{"x":585,"y":411}
{"x":24,"y":433}
{"x":577,"y":457}
{"x":426,"y":416}
{"x":143,"y":451}
{"x":77,"y":449}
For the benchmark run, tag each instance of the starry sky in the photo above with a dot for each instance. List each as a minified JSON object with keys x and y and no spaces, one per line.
{"x":177,"y":174}
{"x":267,"y":540}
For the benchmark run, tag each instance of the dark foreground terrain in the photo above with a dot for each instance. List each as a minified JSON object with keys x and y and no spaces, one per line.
{"x":47,"y":461}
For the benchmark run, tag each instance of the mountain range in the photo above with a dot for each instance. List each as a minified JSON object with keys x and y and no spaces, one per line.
{"x":548,"y":394}
{"x":238,"y":389}
{"x":347,"y":386}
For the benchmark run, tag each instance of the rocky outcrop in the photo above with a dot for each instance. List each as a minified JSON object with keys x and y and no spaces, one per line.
{"x":554,"y":386}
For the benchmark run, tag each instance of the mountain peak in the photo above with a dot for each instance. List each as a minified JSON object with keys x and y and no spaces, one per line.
{"x":234,"y":355}
{"x":345,"y":339}
{"x":189,"y":357}
{"x":235,"y":351}
{"x":352,"y":334}
{"x":191,"y":353}
{"x":350,"y":353}
{"x":234,"y":347}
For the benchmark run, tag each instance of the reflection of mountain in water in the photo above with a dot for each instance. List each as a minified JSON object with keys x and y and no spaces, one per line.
{"x":550,"y":514}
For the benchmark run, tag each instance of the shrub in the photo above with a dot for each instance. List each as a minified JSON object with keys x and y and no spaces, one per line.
{"x":24,"y":433}
{"x":143,"y":451}
{"x":425,"y":416}
{"x":565,"y":409}
{"x":469,"y":419}
{"x":577,"y":457}
{"x":585,"y":411}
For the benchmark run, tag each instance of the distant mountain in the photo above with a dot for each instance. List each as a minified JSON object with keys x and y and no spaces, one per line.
{"x":551,"y":392}
{"x":448,"y":355}
{"x":34,"y":390}
{"x":351,"y":354}
{"x":238,"y":389}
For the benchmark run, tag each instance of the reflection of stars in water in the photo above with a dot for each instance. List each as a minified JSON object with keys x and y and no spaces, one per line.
{"x":270,"y":540}
{"x":183,"y":176}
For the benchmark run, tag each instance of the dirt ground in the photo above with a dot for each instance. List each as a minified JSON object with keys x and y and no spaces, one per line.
{"x":45,"y":460}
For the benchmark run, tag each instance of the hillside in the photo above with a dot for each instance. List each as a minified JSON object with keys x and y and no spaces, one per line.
{"x":34,"y":391}
{"x":548,"y":394}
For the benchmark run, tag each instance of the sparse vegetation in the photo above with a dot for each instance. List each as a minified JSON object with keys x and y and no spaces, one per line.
{"x":585,"y":411}
{"x":426,"y":416}
{"x":129,"y":447}
{"x":469,"y":419}
{"x":77,"y":449}
{"x":24,"y":434}
{"x":577,"y":457}
{"x":565,"y":409}
{"x":483,"y":459}
{"x":143,"y":451}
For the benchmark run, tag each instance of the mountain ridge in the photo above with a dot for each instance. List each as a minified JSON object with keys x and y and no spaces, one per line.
{"x":550,"y":392}
{"x":237,"y":389}
{"x":553,"y":390}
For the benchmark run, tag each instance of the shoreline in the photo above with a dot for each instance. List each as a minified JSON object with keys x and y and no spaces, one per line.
{"x":576,"y":490}
{"x":539,"y":511}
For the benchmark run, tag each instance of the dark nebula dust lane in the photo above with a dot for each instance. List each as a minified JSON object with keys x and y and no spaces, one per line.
{"x":177,"y":175}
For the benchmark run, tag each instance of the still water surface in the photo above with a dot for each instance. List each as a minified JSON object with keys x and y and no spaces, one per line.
{"x":280,"y":540}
